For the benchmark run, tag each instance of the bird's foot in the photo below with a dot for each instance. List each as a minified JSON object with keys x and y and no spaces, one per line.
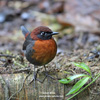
{"x":37,"y":79}
{"x":47,"y":75}
{"x":42,"y":81}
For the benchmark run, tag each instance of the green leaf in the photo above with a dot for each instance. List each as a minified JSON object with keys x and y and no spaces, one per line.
{"x":76,"y":76}
{"x":64,"y":81}
{"x":67,"y":72}
{"x":83,"y":66}
{"x":78,"y":85}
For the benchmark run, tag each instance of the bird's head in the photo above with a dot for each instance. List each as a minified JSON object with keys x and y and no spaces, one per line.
{"x":42,"y":33}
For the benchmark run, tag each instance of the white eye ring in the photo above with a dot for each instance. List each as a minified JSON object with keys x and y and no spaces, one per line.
{"x":42,"y":33}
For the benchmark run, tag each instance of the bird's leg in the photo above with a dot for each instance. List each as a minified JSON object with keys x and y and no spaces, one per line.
{"x":48,"y":74}
{"x":36,"y":79}
{"x":35,"y":75}
{"x":41,"y":81}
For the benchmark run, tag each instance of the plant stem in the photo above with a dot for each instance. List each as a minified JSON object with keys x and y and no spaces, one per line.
{"x":84,"y":87}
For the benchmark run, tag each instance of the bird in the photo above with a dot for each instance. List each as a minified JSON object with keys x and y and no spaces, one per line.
{"x":39,"y":46}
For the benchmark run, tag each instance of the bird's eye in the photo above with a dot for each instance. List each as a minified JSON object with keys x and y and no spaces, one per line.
{"x":43,"y":33}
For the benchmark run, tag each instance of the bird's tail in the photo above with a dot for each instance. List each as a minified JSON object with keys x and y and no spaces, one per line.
{"x":24,"y":31}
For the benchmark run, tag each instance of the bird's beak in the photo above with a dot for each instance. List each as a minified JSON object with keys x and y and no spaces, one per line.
{"x":55,"y":33}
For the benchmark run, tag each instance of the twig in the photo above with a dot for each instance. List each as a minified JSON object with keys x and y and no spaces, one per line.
{"x":95,"y":62}
{"x":3,"y":60}
{"x":93,"y":92}
{"x":22,"y":70}
{"x":5,"y":55}
{"x":20,"y":88}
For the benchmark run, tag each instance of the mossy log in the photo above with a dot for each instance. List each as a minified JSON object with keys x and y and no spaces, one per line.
{"x":48,"y":90}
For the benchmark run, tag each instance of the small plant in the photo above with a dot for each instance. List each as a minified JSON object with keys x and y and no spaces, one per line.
{"x":77,"y":88}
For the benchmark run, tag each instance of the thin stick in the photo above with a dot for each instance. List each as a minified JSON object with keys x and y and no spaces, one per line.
{"x":3,"y":60}
{"x":5,"y":55}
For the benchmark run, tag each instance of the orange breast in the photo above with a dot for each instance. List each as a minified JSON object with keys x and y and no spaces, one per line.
{"x":45,"y":51}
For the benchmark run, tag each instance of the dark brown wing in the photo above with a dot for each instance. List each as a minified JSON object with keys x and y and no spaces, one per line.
{"x":28,"y":44}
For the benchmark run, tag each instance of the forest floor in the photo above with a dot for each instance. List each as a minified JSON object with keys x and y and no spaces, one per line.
{"x":73,"y":46}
